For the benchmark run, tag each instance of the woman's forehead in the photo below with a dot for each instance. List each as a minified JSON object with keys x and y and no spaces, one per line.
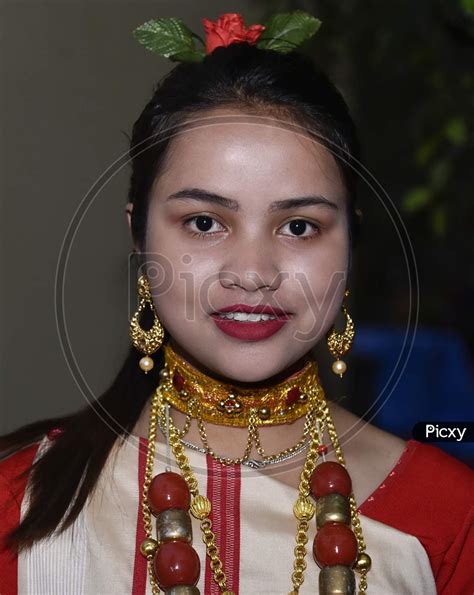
{"x":243,"y":158}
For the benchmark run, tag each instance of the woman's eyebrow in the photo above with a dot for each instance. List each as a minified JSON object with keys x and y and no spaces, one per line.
{"x":302,"y":201}
{"x":229,"y":203}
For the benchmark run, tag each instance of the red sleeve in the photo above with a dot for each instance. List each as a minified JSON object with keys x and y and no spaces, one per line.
{"x":429,"y":494}
{"x":456,"y":565}
{"x":12,"y":491}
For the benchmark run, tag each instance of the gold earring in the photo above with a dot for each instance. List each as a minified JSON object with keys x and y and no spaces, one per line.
{"x":146,"y":341}
{"x":339,"y":344}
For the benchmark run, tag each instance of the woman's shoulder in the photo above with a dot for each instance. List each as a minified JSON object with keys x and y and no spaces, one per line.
{"x":14,"y":473}
{"x":406,"y":471}
{"x":425,"y":478}
{"x":420,"y":490}
{"x":370,"y":453}
{"x":429,"y":494}
{"x":12,"y":464}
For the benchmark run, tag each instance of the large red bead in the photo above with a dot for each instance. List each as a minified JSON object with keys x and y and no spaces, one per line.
{"x":176,"y":563}
{"x":335,"y":544}
{"x":168,"y":490}
{"x":330,"y":478}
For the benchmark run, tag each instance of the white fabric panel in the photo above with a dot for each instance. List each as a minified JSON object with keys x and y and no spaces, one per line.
{"x":54,"y":566}
{"x":97,"y":555}
{"x":400,"y":563}
{"x":111,"y":521}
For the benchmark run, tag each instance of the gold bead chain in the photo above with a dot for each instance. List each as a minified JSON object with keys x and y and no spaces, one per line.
{"x":208,"y":537}
{"x":150,"y":456}
{"x":254,"y":438}
{"x":194,"y":410}
{"x":187,"y":424}
{"x":227,"y":460}
{"x":309,"y":421}
{"x":304,"y":509}
{"x":354,"y":512}
{"x":299,"y":564}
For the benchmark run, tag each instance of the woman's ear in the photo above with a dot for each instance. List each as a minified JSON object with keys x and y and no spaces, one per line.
{"x":128,"y":210}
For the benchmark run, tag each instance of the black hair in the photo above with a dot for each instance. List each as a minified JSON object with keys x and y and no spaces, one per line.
{"x":255,"y":81}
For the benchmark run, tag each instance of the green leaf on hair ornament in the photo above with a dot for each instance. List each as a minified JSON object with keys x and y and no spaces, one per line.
{"x":285,"y":31}
{"x":170,"y":38}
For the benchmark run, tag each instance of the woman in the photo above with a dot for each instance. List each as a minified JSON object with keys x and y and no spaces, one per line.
{"x":242,"y":212}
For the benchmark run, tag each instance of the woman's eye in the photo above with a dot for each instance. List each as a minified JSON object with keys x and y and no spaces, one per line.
{"x":302,"y":229}
{"x":203,"y":223}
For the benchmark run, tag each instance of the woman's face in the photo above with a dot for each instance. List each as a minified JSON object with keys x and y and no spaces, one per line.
{"x":226,"y":227}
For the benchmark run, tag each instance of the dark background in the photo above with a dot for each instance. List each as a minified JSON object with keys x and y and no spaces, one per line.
{"x":73,"y":82}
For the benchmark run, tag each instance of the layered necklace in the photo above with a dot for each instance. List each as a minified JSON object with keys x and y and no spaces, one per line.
{"x":324,"y":492}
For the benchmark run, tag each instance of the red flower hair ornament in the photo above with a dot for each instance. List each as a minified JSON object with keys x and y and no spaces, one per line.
{"x":229,"y":28}
{"x":171,"y":38}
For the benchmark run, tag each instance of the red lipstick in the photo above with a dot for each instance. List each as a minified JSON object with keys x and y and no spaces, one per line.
{"x":247,"y":330}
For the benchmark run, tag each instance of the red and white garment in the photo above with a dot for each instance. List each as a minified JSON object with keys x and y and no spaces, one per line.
{"x":418,"y":527}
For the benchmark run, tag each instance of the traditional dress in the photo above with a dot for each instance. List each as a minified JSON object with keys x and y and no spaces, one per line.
{"x":418,"y":526}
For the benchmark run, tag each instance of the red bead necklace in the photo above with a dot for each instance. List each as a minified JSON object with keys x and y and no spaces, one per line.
{"x":325,"y":491}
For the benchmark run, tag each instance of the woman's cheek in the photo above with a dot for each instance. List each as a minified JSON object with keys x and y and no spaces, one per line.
{"x":184,"y":299}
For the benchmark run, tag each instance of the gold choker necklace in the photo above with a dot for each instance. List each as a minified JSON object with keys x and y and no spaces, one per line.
{"x":185,"y":387}
{"x":195,"y":393}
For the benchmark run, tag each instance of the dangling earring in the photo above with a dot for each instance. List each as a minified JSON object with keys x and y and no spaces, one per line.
{"x":339,"y":344}
{"x":146,"y":341}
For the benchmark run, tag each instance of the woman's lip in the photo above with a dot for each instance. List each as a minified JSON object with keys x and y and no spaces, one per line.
{"x":250,"y":331}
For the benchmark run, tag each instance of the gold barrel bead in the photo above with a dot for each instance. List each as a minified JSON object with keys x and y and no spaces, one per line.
{"x":336,"y":580}
{"x":173,"y":524}
{"x":182,"y":590}
{"x":333,"y":508}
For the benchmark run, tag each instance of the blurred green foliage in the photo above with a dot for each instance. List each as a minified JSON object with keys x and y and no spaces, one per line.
{"x":406,"y":71}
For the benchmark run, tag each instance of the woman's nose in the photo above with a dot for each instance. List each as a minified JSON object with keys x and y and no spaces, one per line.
{"x":251,"y":267}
